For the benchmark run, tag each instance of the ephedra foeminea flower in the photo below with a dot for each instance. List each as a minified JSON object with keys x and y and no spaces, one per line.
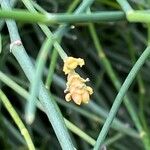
{"x":76,"y":89}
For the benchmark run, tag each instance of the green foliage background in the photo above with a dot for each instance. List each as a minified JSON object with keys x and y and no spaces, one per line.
{"x":110,"y":44}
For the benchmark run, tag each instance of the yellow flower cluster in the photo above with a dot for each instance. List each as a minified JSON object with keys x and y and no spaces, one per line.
{"x":76,"y":89}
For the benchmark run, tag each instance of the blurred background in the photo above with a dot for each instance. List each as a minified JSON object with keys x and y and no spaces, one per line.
{"x":121,"y":41}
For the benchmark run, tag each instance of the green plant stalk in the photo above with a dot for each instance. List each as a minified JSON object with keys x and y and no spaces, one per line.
{"x":73,"y":5}
{"x":148,"y":34}
{"x":138,"y":16}
{"x":38,"y":7}
{"x":17,"y":120}
{"x":34,"y":90}
{"x":51,"y":69}
{"x":125,"y":5}
{"x":32,"y":17}
{"x":50,"y":106}
{"x":22,"y":92}
{"x":118,"y":100}
{"x":140,"y":83}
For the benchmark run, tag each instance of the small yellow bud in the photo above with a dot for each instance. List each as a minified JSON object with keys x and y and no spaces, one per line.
{"x":77,"y":98}
{"x":68,"y":97}
{"x":89,"y":89}
{"x":85,"y":97}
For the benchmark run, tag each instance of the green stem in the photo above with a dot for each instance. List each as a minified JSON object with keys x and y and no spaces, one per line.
{"x":139,"y":80}
{"x":17,"y":120}
{"x":138,"y":16}
{"x":125,"y":5}
{"x":34,"y":17}
{"x":51,"y":69}
{"x":118,"y":100}
{"x":73,"y":5}
{"x":148,"y":34}
{"x":41,"y":59}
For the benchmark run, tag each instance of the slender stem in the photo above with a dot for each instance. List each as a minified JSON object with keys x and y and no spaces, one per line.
{"x":51,"y":69}
{"x":118,"y":100}
{"x":138,"y":16}
{"x":41,"y":59}
{"x":32,"y":17}
{"x":17,"y":120}
{"x":125,"y":5}
{"x":73,"y":6}
{"x":148,"y":34}
{"x":139,"y":80}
